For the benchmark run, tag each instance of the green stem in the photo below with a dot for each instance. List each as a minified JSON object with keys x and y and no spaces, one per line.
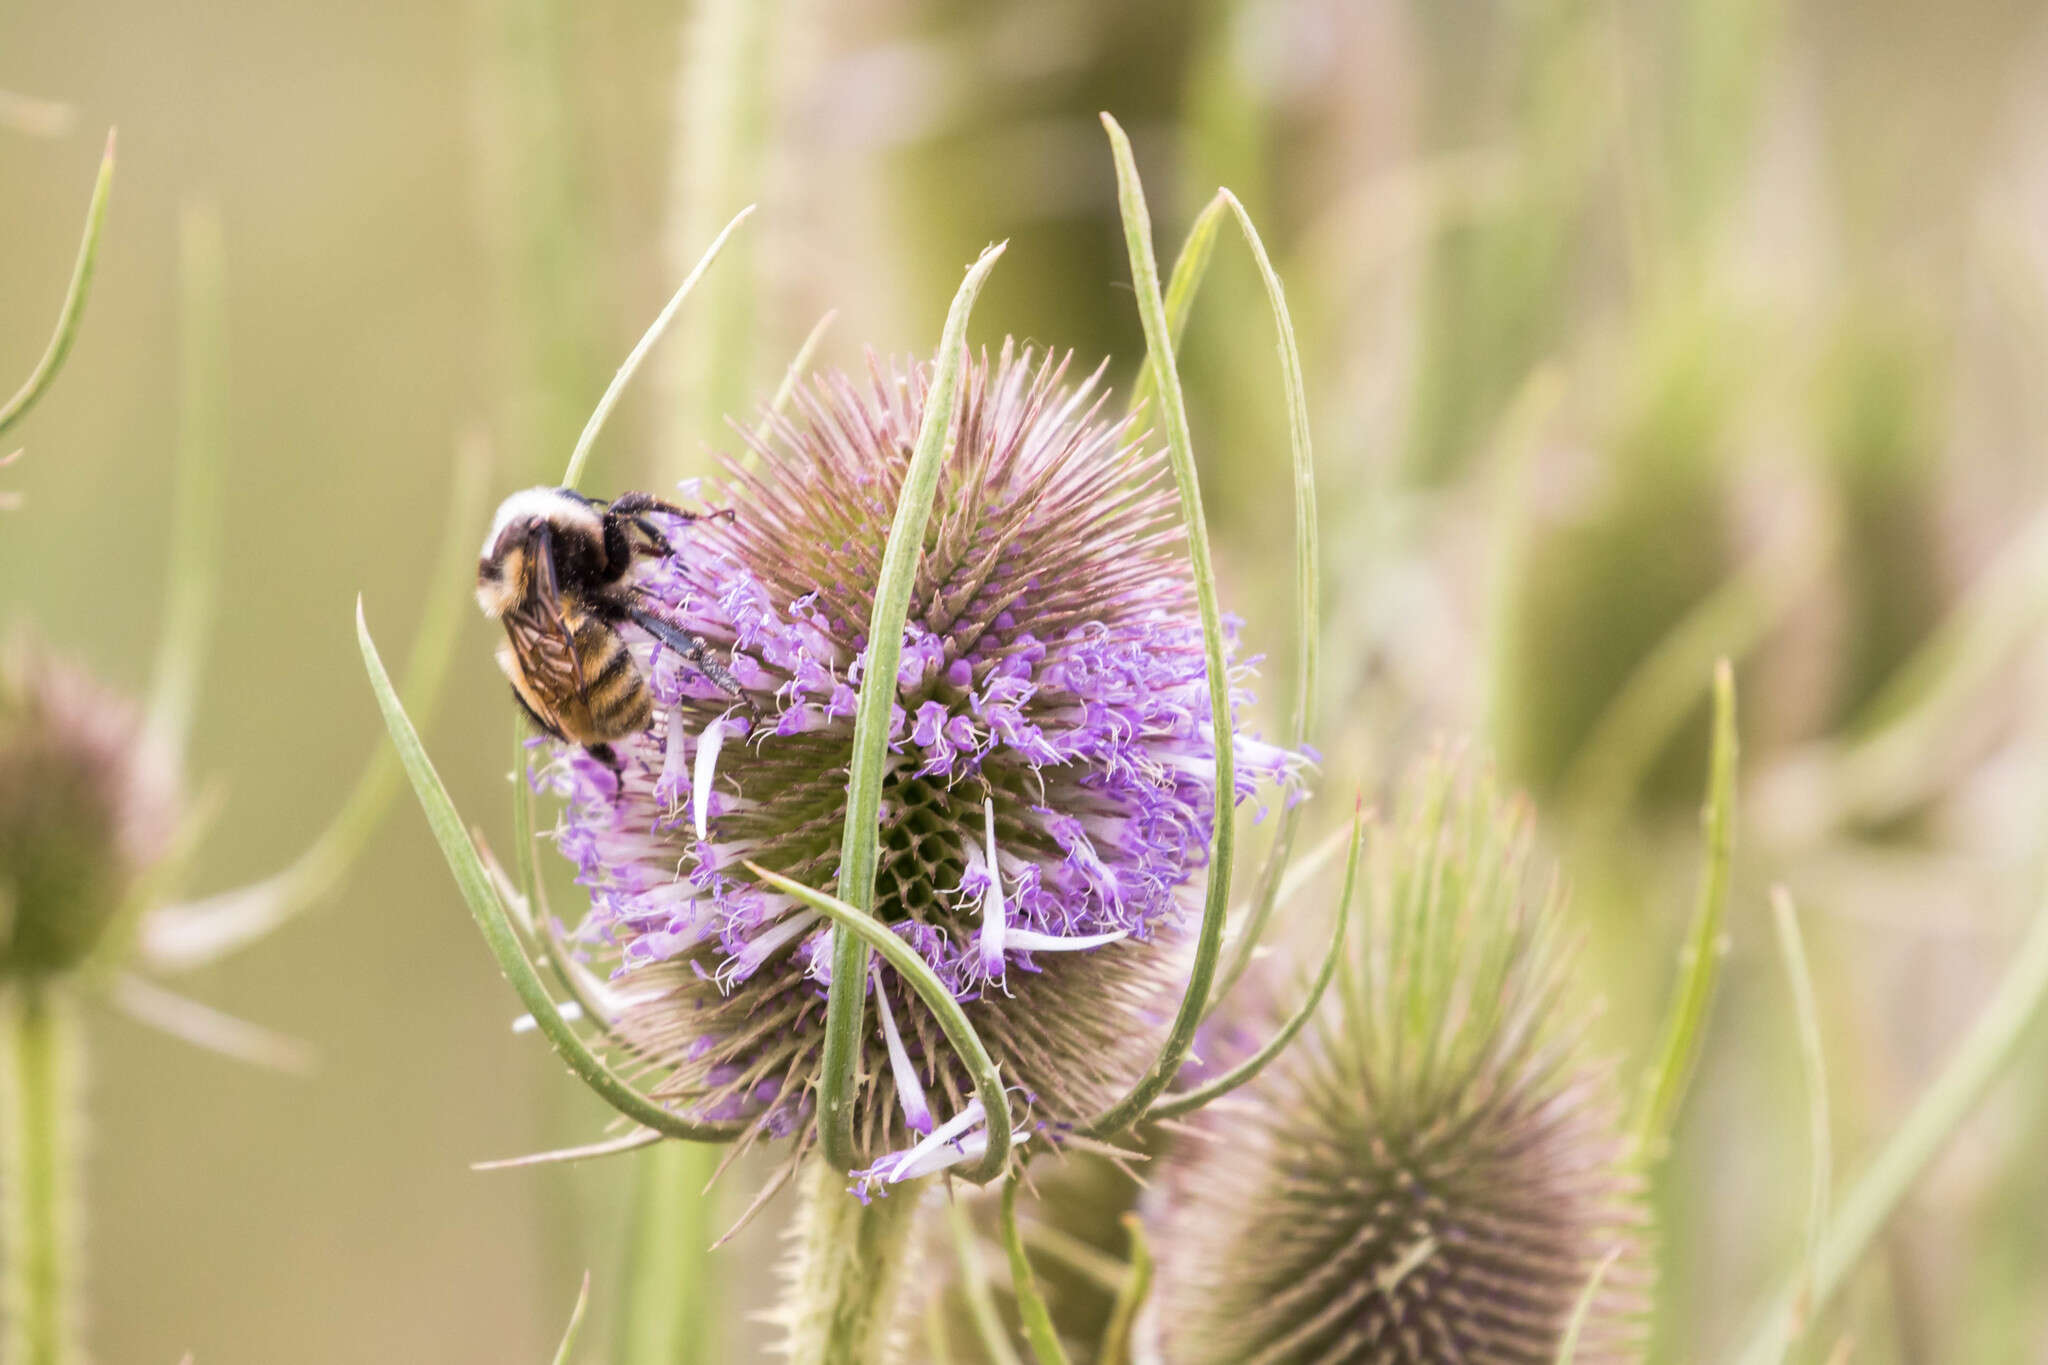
{"x":850,"y":1265}
{"x":38,"y":1177}
{"x":670,"y":1318}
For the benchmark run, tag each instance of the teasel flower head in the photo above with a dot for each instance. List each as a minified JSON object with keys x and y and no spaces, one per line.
{"x":85,"y":808}
{"x":1435,"y":1171}
{"x":1047,"y":806}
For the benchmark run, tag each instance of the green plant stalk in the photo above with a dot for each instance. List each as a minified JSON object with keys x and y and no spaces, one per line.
{"x":1568,"y":1343}
{"x":851,"y":1263}
{"x":39,"y":1101}
{"x":40,"y":378}
{"x":1116,"y":1337}
{"x":1038,"y":1328}
{"x":974,"y":1287}
{"x":671,"y":1315}
{"x":860,"y":839}
{"x":1681,"y":1036}
{"x":1985,"y":1052}
{"x":1194,"y":1003}
{"x":481,"y":894}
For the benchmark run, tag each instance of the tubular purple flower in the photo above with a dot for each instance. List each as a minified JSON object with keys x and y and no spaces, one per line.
{"x":1047,"y":803}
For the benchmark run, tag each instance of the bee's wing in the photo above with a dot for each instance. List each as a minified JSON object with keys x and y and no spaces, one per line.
{"x":544,"y":649}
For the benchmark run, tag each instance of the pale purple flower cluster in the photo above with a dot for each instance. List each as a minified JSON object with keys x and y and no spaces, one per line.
{"x":1049,"y":793}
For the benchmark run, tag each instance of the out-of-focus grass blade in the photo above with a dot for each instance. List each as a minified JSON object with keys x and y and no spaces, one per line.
{"x":1813,"y":1068}
{"x":671,"y":1315}
{"x":871,"y":933}
{"x":1986,"y":1050}
{"x":566,"y":1352}
{"x":33,"y":116}
{"x":1180,"y":453}
{"x":194,"y":573}
{"x":799,"y":365}
{"x":1173,"y":1106}
{"x":178,"y":938}
{"x":981,"y":1304}
{"x":1181,"y":287}
{"x":1699,"y":965}
{"x":1307,"y":596}
{"x":1038,"y":1329}
{"x":1123,"y":1315}
{"x":482,"y":895}
{"x":39,"y":379}
{"x":1654,"y":701}
{"x":858,"y":855}
{"x":1568,"y":1344}
{"x":581,"y":455}
{"x":208,"y":1028}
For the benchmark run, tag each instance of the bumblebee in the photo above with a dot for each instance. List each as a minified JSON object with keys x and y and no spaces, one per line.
{"x":554,"y":569}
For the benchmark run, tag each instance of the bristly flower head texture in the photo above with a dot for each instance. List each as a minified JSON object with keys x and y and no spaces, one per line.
{"x":83,"y":810}
{"x":1048,"y":798}
{"x":1436,"y":1171}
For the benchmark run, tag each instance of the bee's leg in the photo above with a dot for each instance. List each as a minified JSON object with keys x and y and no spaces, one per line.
{"x":607,"y":755}
{"x":633,"y":508}
{"x":694,"y":650}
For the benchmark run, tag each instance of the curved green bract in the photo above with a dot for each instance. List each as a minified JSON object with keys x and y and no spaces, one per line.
{"x":859,"y":842}
{"x":1180,"y":454}
{"x":59,"y":349}
{"x":1700,"y":967}
{"x":1189,"y":268}
{"x":491,"y":917}
{"x":1307,"y":596}
{"x":581,"y":455}
{"x":1031,"y":1309}
{"x":868,"y":932}
{"x":1123,"y":1315}
{"x":1173,"y":1106}
{"x":566,"y":1352}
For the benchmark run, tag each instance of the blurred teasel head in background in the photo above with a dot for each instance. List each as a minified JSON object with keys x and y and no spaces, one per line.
{"x":86,"y":807}
{"x":1436,"y":1171}
{"x":1049,"y":788}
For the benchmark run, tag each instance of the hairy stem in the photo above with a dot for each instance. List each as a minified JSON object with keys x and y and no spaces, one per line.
{"x":39,"y":1088}
{"x":850,"y":1264}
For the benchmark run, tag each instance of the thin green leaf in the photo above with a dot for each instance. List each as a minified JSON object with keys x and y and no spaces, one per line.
{"x":1189,"y":268}
{"x":981,"y":1304}
{"x":1038,"y":1329}
{"x":799,"y":365}
{"x":481,"y":893}
{"x":1180,"y":453}
{"x":870,"y":933}
{"x":1813,"y":1070}
{"x":1986,"y":1051}
{"x":54,"y":354}
{"x":581,"y":455}
{"x":1187,"y":1102}
{"x":1307,"y":598}
{"x":1102,"y":1270}
{"x":178,"y":938}
{"x":858,"y":846}
{"x":1699,"y":964}
{"x":1116,"y":1337}
{"x":1568,"y":1344}
{"x":194,"y":573}
{"x":566,"y":1352}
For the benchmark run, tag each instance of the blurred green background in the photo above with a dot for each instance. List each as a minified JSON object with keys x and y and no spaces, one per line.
{"x":1635,"y":334}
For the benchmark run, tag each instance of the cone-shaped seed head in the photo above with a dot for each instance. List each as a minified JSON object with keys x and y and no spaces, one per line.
{"x":82,"y":811}
{"x":1434,"y":1172}
{"x":1048,"y":794}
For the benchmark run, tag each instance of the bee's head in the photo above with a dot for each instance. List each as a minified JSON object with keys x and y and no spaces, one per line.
{"x":531,"y":522}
